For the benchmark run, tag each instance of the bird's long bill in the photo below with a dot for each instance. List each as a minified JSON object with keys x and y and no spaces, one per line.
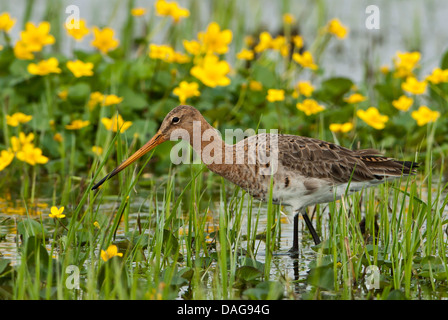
{"x":151,"y":144}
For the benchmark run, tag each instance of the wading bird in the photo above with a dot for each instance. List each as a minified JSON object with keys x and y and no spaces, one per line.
{"x":299,"y":171}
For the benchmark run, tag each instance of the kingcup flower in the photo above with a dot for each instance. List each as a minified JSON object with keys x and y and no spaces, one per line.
{"x":44,"y":67}
{"x":438,"y":76}
{"x":171,"y":9}
{"x":306,"y":60}
{"x":267,"y":42}
{"x":303,"y":88}
{"x":403,"y":103}
{"x":275,"y":95}
{"x":355,"y":98}
{"x":56,"y":212}
{"x":310,"y":107}
{"x":104,"y":39}
{"x":116,"y":123}
{"x":15,"y":119}
{"x":138,"y":12}
{"x":36,"y":37}
{"x":341,"y":127}
{"x":77,"y":30}
{"x":6,"y":157}
{"x":245,"y":54}
{"x":80,"y":69}
{"x":111,"y":99}
{"x":77,"y":124}
{"x":288,"y":18}
{"x":336,"y":28}
{"x":186,"y":90}
{"x":31,"y":155}
{"x":405,"y":63}
{"x":424,"y":115}
{"x":373,"y":118}
{"x":211,"y":71}
{"x":412,"y":85}
{"x":111,"y":251}
{"x":214,"y":40}
{"x":6,"y":22}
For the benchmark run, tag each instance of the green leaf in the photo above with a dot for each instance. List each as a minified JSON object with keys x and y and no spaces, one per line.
{"x":247,"y":273}
{"x":322,"y":277}
{"x":334,"y":89}
{"x":29,"y":227}
{"x":79,"y":93}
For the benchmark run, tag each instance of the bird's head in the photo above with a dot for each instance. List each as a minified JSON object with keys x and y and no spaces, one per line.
{"x":179,"y":122}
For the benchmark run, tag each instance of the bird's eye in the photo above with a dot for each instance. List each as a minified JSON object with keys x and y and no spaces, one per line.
{"x":175,"y":120}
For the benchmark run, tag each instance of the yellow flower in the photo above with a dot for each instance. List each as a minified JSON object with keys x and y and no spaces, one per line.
{"x":171,"y":9}
{"x":403,"y":103}
{"x":17,"y":143}
{"x":17,"y":118}
{"x":264,"y":43}
{"x":31,"y":155}
{"x":111,"y":99}
{"x":298,"y":41}
{"x":96,"y":225}
{"x":110,"y":252}
{"x":305,"y":60}
{"x":77,"y":124}
{"x":37,"y":37}
{"x":275,"y":95}
{"x":6,"y":157}
{"x":355,"y":98}
{"x":56,"y":212}
{"x":22,"y":51}
{"x":57,"y":137}
{"x":310,"y":106}
{"x":193,"y":47}
{"x":63,"y":94}
{"x":245,"y":55}
{"x":97,"y":150}
{"x":405,"y":63}
{"x":104,"y":39}
{"x":80,"y":69}
{"x":267,"y":42}
{"x":179,"y":57}
{"x":137,"y":12}
{"x":303,"y":87}
{"x":288,"y":18}
{"x":384,"y":69}
{"x":77,"y":32}
{"x":425,"y":115}
{"x":44,"y":67}
{"x":186,"y":90}
{"x":215,"y":40}
{"x":6,"y":23}
{"x":336,"y":28}
{"x":438,"y":75}
{"x":373,"y":118}
{"x":412,"y":85}
{"x":341,"y":127}
{"x":162,"y":52}
{"x":211,"y":72}
{"x":255,"y":85}
{"x":116,"y":123}
{"x":95,"y":98}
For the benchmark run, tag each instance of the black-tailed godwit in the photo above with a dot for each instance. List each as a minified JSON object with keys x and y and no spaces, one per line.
{"x":304,"y":171}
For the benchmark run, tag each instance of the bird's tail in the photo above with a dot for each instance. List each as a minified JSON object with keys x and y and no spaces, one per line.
{"x":384,"y":167}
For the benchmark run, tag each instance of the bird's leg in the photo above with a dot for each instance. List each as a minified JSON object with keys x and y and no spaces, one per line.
{"x":295,"y":236}
{"x":311,"y":228}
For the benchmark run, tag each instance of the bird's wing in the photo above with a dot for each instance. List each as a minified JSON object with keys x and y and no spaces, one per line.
{"x":324,"y":160}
